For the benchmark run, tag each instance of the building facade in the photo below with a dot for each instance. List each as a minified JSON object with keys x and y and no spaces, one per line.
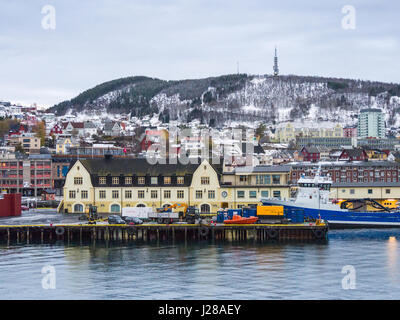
{"x":112,"y":184}
{"x":371,"y":124}
{"x":26,"y":175}
{"x":29,"y":142}
{"x":289,"y":131}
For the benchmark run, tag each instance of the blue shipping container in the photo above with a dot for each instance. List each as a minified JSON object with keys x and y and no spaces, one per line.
{"x":231,"y":212}
{"x":249,"y":212}
{"x":221,"y":216}
{"x":295,"y":215}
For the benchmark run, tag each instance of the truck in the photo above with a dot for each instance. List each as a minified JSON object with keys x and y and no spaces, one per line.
{"x":187,"y":213}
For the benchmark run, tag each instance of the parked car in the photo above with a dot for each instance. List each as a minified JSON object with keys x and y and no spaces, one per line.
{"x":132,"y":220}
{"x":115,"y":219}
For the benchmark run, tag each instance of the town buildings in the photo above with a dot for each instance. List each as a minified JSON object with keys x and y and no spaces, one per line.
{"x":112,"y":184}
{"x":356,"y":164}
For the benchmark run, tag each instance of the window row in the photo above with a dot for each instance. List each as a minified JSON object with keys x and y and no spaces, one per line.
{"x":140,"y":180}
{"x":254,"y":194}
{"x":210,"y":194}
{"x":141,"y":194}
{"x":370,"y":191}
{"x":84,"y":194}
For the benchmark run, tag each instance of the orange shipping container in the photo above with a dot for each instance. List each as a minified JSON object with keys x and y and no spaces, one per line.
{"x":270,"y":210}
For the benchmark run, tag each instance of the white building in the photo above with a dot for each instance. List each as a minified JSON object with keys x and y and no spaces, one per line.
{"x":371,"y":123}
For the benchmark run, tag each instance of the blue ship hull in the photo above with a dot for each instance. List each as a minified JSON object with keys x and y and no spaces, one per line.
{"x":351,"y":219}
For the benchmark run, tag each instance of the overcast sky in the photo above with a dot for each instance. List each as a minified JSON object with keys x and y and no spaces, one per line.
{"x":100,"y":40}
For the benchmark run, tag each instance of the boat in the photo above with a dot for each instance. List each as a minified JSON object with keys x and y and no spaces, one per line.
{"x":236,"y":219}
{"x":313,"y":200}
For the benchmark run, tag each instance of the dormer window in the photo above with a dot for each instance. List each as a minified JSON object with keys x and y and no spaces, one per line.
{"x":180,"y":180}
{"x":128,"y":180}
{"x":115,"y":180}
{"x":167,"y":180}
{"x":102,"y":180}
{"x":154,"y":180}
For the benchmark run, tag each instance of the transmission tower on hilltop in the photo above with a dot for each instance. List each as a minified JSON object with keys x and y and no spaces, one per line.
{"x":276,"y":69}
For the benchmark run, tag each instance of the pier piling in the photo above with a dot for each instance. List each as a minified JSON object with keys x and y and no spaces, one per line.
{"x":163,"y":233}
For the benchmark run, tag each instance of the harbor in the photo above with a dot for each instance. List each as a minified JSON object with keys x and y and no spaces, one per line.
{"x":162,"y":233}
{"x":203,"y":270}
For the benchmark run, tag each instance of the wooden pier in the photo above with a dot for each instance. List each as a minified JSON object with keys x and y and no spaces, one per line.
{"x":162,"y":233}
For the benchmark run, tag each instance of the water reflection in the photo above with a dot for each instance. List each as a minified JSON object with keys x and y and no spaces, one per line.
{"x":392,"y":252}
{"x":207,"y":271}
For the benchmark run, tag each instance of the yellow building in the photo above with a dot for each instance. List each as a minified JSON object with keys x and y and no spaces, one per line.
{"x":373,"y":190}
{"x":64,"y":144}
{"x":245,"y":186}
{"x":112,"y":184}
{"x":289,"y":132}
{"x":374,"y":154}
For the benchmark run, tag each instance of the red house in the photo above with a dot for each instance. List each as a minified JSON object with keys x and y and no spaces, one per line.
{"x":18,"y":131}
{"x":353,"y":155}
{"x":310,"y":153}
{"x":56,"y":130}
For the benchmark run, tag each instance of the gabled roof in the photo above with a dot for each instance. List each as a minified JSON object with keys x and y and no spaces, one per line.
{"x":138,"y":167}
{"x":310,"y":149}
{"x":89,"y":125}
{"x":354,"y":153}
{"x":110,"y":125}
{"x":75,"y":125}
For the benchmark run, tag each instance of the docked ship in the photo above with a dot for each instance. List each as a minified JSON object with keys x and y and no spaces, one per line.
{"x":313,"y":200}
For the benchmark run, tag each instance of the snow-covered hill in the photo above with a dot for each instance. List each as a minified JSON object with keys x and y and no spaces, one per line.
{"x":222,"y":101}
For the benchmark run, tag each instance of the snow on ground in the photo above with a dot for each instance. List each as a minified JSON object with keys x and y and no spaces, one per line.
{"x":313,"y":112}
{"x":251,"y":108}
{"x":258,"y":80}
{"x":284,"y":114}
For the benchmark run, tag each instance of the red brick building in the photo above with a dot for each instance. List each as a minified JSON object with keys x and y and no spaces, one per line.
{"x":350,"y":132}
{"x":351,"y":172}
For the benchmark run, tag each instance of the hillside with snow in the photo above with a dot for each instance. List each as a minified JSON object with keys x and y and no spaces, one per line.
{"x":234,"y":99}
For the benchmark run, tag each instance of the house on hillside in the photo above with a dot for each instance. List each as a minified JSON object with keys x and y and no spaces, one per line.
{"x":56,"y":130}
{"x":112,"y":129}
{"x":64,"y":144}
{"x":377,"y":154}
{"x":89,"y":128}
{"x":310,"y":153}
{"x":74,"y":128}
{"x":353,"y":155}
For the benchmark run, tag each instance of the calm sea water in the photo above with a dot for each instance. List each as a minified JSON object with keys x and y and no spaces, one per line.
{"x":205,"y":271}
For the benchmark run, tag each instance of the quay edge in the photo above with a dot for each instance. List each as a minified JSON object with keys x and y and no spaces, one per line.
{"x":258,"y":233}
